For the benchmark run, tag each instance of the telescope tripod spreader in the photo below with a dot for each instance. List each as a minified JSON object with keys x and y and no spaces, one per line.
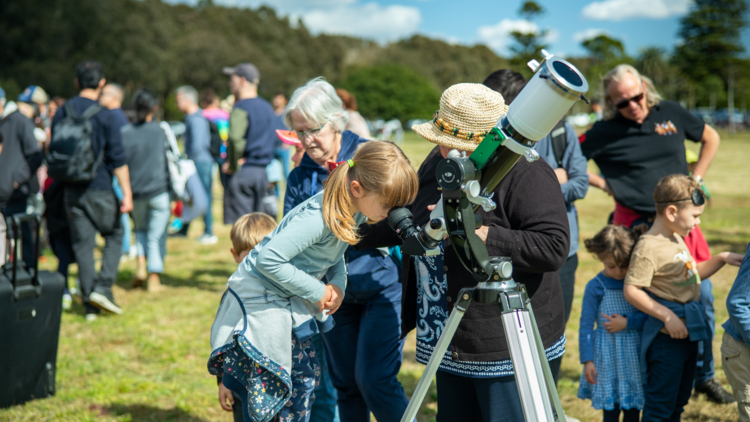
{"x":468,"y":183}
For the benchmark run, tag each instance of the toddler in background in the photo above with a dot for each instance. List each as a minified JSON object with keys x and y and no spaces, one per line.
{"x":609,"y":353}
{"x":246,"y":232}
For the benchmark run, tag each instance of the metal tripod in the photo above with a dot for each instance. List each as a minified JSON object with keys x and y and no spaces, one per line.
{"x":536,"y":387}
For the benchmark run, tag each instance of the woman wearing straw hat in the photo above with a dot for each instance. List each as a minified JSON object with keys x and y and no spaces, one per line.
{"x":476,"y":379}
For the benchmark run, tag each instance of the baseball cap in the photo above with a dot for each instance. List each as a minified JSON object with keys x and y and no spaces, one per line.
{"x":243,"y":70}
{"x":33,"y":94}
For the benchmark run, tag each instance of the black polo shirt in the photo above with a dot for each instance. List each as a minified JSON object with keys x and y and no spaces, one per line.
{"x":634,"y":157}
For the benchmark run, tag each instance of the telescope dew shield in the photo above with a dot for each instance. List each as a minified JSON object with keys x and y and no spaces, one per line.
{"x":547,"y":96}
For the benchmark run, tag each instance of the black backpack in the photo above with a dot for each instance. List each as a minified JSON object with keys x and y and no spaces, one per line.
{"x":214,"y":147}
{"x":559,"y":141}
{"x":71,"y":157}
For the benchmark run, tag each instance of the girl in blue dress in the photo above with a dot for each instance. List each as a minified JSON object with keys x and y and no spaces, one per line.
{"x":610,"y":352}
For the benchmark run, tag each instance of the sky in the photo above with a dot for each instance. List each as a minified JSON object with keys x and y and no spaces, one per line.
{"x":637,"y":23}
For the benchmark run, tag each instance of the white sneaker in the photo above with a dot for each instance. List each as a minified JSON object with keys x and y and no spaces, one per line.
{"x":91,"y":317}
{"x":67,"y":302}
{"x":207,"y":239}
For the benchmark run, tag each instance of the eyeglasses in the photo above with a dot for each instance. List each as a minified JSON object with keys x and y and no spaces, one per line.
{"x":624,"y":103}
{"x":311,"y":132}
{"x":698,"y":197}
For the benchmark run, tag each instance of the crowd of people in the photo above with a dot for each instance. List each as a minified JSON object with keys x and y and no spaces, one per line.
{"x":647,"y":320}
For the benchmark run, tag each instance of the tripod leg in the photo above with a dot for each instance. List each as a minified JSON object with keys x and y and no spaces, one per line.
{"x":549,"y":380}
{"x":529,"y":366}
{"x":437,"y":356}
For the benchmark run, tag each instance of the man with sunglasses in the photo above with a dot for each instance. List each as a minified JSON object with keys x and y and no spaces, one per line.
{"x":252,"y":139}
{"x":641,"y":140}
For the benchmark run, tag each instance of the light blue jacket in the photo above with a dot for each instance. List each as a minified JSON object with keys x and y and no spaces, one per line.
{"x":293,"y":259}
{"x":578,"y":180}
{"x":738,"y":303}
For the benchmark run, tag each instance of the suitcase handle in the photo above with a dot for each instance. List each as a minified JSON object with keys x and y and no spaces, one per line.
{"x":34,"y":289}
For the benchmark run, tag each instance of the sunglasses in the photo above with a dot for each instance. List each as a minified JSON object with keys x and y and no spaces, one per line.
{"x":624,"y":103}
{"x":698,"y":198}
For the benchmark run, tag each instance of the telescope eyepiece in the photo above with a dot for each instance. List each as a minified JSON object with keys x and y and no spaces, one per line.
{"x":396,"y":217}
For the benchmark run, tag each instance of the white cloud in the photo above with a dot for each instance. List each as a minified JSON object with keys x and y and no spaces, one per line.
{"x":552,"y":36}
{"x":618,"y":10}
{"x":371,"y":20}
{"x":589,"y":34}
{"x":498,"y":38}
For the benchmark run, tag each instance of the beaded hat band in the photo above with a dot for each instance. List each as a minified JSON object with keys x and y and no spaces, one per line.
{"x":467,"y":113}
{"x":454,"y":131}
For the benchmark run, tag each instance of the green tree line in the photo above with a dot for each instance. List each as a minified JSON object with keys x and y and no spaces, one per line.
{"x":149,"y":43}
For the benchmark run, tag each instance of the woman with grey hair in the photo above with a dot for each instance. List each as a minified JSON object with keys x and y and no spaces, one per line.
{"x":364,"y":349}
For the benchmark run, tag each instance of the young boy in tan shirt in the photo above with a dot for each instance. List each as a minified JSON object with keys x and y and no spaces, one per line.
{"x":663,"y":281}
{"x":246,"y":233}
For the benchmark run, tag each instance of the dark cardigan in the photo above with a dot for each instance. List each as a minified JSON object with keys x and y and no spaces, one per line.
{"x":529,"y":225}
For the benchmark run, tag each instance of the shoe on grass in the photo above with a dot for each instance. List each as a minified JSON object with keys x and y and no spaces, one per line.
{"x":91,"y":317}
{"x":141,"y":273}
{"x":105,"y":302}
{"x":154,"y":284}
{"x":76,"y":289}
{"x":67,"y":301}
{"x":207,"y":239}
{"x":714,"y":392}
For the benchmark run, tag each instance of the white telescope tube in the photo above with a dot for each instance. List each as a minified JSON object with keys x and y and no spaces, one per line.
{"x":547,"y":96}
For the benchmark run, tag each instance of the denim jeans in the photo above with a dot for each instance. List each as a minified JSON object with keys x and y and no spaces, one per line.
{"x":204,"y":173}
{"x":151,"y":217}
{"x":671,"y":371}
{"x":127,"y":238}
{"x":707,"y":299}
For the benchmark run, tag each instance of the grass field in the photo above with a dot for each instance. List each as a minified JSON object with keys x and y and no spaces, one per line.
{"x":150,"y":363}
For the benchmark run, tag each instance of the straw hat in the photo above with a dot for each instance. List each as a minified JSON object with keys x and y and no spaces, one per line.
{"x":467,"y":112}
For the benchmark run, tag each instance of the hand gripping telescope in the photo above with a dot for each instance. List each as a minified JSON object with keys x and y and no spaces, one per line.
{"x":468,"y":183}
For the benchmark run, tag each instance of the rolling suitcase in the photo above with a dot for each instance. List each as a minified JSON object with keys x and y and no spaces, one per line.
{"x":30,"y":311}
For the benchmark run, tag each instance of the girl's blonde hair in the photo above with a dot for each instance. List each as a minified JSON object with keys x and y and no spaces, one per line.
{"x":615,"y":241}
{"x":652,"y":95}
{"x":380,"y":168}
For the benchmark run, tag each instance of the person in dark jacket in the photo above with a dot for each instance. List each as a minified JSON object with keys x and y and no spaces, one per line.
{"x":476,"y":380}
{"x":93,"y":207}
{"x":19,"y":161}
{"x":252,"y":139}
{"x":363,"y":350}
{"x":145,"y":149}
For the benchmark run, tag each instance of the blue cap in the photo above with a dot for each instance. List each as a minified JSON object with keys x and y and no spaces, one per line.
{"x":25,"y":96}
{"x":33,"y":94}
